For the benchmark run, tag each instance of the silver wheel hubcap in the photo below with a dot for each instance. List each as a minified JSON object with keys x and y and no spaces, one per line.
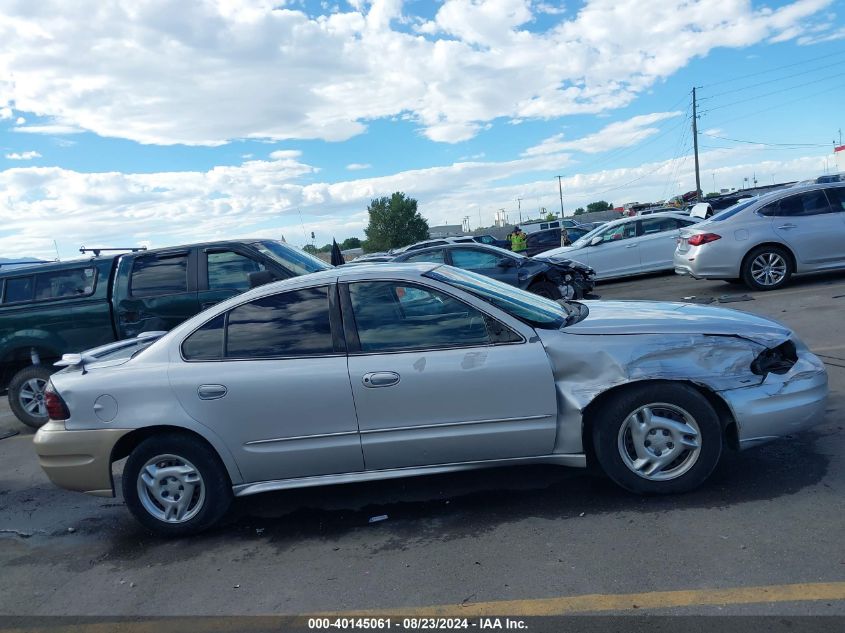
{"x":659,"y":441}
{"x":171,"y":489}
{"x":31,"y":397}
{"x":768,"y":269}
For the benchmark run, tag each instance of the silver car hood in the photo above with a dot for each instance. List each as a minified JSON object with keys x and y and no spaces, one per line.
{"x":648,"y":317}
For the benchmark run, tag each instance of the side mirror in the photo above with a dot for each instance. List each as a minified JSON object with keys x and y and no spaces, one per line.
{"x":260,"y":278}
{"x":596,"y":241}
{"x":506,"y":262}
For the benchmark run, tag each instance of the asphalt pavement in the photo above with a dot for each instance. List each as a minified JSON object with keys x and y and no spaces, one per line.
{"x":763,"y":536}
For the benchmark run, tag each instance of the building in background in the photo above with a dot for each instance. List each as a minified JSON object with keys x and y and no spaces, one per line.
{"x":445,"y":230}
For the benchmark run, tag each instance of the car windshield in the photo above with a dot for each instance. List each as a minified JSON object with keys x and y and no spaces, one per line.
{"x":297,"y":261}
{"x":732,"y":211}
{"x":525,"y":306}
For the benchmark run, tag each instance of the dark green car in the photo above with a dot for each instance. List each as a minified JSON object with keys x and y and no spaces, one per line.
{"x":47,"y":310}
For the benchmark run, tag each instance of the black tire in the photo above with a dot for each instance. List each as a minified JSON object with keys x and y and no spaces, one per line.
{"x":216,"y":489}
{"x":545,"y":289}
{"x":689,"y":469}
{"x":781,"y":262}
{"x":27,"y":401}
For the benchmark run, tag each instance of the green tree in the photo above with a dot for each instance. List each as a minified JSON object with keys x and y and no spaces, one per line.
{"x":580,"y":211}
{"x":310,"y":248}
{"x":600,"y":205}
{"x":394,"y":222}
{"x":325,"y":248}
{"x":712,"y":194}
{"x":550,"y":217}
{"x":350,"y":242}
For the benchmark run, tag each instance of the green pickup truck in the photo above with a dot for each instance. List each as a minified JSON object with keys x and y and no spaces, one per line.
{"x":47,"y":310}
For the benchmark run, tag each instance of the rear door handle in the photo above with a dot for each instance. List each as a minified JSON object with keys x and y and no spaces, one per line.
{"x":211,"y":392}
{"x":380,"y":379}
{"x":788,"y":226}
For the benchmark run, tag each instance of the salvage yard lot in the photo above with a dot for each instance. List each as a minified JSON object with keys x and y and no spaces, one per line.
{"x":536,"y":535}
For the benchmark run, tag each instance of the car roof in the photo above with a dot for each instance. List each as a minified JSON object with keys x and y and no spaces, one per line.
{"x":454,"y":245}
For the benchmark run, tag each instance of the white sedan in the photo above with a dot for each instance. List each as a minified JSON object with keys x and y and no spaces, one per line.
{"x":629,"y":246}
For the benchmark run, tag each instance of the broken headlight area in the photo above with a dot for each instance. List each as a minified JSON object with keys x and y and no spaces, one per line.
{"x":775,"y":360}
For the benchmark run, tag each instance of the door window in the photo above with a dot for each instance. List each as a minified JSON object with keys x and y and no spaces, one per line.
{"x":228,"y":270}
{"x":836,"y":197}
{"x":397,"y":317}
{"x":810,"y":203}
{"x":207,"y":342}
{"x":77,"y":282}
{"x":659,"y":225}
{"x":294,"y":323}
{"x":17,"y":290}
{"x":474,"y":259}
{"x":619,"y":232}
{"x":163,"y":275}
{"x":431,"y":256}
{"x":545,"y":238}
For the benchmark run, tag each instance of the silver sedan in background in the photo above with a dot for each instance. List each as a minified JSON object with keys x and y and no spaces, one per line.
{"x":393,"y":370}
{"x":764,"y":241}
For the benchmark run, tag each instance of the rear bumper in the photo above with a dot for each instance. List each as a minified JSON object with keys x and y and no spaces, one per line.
{"x":704,"y":262}
{"x":781,"y":404}
{"x":78,"y":460}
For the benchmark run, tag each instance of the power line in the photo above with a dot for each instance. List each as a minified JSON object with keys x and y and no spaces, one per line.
{"x":769,"y":81}
{"x":736,"y":140}
{"x":774,"y":92}
{"x":771,"y":70}
{"x":779,"y":105}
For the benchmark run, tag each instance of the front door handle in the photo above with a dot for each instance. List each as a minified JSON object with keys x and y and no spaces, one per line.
{"x":632,"y":246}
{"x":788,"y":226}
{"x":380,"y":379}
{"x":211,"y":392}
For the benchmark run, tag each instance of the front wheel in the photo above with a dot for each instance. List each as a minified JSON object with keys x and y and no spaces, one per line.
{"x":657,"y":438}
{"x":26,"y":395}
{"x":175,"y":485}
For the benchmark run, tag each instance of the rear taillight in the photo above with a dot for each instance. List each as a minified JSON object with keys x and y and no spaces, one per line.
{"x":56,"y":407}
{"x":703,"y":238}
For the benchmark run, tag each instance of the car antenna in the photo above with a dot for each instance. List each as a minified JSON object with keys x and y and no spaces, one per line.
{"x":97,"y":251}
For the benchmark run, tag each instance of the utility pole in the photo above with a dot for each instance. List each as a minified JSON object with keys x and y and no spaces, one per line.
{"x":519,"y":208}
{"x":560,"y":189}
{"x":695,"y":146}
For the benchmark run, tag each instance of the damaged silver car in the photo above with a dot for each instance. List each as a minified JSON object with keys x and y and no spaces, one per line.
{"x":393,"y":370}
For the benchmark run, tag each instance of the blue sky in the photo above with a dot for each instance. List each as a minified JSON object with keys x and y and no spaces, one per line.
{"x":161,"y":122}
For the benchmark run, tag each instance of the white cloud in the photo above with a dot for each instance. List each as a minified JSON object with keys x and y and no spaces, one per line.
{"x":5,"y":113}
{"x":285,"y":154}
{"x":228,"y":69}
{"x":358,"y":166}
{"x":20,"y":120}
{"x":51,"y":128}
{"x":265,"y":198}
{"x":612,"y":136}
{"x":23,"y":155}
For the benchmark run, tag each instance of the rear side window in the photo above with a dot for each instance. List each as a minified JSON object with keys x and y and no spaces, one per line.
{"x":18,"y":289}
{"x":159,"y":275}
{"x":207,"y":342}
{"x":228,"y":270}
{"x":59,"y":284}
{"x":294,"y":323}
{"x":659,"y":225}
{"x":836,"y":196}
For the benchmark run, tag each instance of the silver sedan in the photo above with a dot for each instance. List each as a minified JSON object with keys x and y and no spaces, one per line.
{"x":393,"y":370}
{"x":764,"y":241}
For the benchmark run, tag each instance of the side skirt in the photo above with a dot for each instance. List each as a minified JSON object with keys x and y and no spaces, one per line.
{"x":576,"y":460}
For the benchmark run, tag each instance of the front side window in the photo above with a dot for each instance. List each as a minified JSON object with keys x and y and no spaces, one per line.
{"x":430,"y":256}
{"x":228,"y":270}
{"x":294,"y":323}
{"x":475,"y":259}
{"x":78,"y":282}
{"x":394,"y":316}
{"x":162,"y":275}
{"x":19,"y":289}
{"x":619,"y":232}
{"x":295,"y":261}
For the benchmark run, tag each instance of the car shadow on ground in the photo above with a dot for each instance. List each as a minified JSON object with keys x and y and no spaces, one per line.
{"x":409,"y":513}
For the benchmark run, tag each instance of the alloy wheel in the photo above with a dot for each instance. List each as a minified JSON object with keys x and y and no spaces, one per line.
{"x":171,"y":489}
{"x":768,"y":268}
{"x":31,"y":397}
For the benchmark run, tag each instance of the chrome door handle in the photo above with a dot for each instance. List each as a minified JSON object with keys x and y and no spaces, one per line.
{"x":632,"y":246}
{"x":211,"y":392}
{"x":788,"y":226}
{"x":380,"y":379}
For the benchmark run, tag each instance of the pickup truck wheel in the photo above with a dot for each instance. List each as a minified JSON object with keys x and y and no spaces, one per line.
{"x":175,"y":485}
{"x":26,"y":395}
{"x":657,"y":438}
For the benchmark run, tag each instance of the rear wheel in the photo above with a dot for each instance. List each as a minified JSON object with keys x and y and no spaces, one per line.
{"x":175,"y":485}
{"x":767,"y":268}
{"x":26,"y":395}
{"x":657,"y":438}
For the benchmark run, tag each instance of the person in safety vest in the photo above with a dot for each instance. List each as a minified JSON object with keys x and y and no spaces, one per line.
{"x":518,"y":240}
